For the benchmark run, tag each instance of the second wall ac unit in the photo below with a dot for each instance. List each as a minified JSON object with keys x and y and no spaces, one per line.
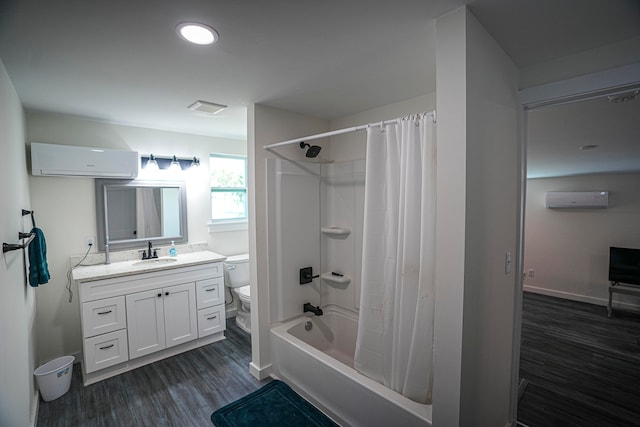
{"x":576,"y":199}
{"x":67,"y":160}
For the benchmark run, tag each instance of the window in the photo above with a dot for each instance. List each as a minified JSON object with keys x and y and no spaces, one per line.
{"x":228,"y":188}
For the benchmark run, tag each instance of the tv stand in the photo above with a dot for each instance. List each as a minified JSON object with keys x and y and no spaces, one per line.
{"x":621,"y":288}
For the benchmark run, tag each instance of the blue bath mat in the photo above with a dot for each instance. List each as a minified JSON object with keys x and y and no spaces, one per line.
{"x":273,"y":405}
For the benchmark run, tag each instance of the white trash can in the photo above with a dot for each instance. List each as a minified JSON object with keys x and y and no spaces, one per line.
{"x":54,"y":377}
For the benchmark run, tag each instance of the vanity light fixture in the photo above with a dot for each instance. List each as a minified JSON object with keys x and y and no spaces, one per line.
{"x":151,"y":164}
{"x":175,"y":166}
{"x":197,"y":33}
{"x":167,"y":162}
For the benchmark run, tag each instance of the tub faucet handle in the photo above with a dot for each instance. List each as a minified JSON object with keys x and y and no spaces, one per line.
{"x":306,"y":275}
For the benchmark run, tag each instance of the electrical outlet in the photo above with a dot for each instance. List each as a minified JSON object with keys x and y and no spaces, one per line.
{"x":89,"y":241}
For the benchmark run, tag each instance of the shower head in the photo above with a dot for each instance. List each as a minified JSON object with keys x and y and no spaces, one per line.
{"x":313,"y":150}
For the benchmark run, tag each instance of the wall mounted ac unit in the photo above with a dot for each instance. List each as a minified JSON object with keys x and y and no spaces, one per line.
{"x":66,"y":160}
{"x":576,"y":199}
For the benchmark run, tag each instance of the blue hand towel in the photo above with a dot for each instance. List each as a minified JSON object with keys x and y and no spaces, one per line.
{"x":38,"y":268}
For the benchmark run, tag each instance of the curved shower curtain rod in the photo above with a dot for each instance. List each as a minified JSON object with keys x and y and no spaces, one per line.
{"x":341,"y":131}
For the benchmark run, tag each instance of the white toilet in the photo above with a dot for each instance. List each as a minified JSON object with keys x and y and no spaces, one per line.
{"x":237,"y":268}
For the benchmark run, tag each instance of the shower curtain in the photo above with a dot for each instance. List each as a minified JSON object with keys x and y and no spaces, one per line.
{"x":395,"y":329}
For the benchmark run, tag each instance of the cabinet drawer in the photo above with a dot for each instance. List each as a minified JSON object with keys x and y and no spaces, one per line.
{"x":105,"y":350}
{"x":209,"y":292}
{"x":102,"y":316}
{"x":211,"y":320}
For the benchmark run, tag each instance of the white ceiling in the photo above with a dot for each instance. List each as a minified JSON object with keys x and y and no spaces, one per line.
{"x":555,"y":135}
{"x":121,"y":61}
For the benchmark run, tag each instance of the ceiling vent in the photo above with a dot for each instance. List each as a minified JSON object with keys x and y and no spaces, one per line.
{"x":206,"y":107}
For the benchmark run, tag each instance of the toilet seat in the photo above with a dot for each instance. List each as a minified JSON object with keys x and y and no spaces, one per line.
{"x":244,"y":293}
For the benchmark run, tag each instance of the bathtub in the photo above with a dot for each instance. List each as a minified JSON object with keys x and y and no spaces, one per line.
{"x":314,"y":355}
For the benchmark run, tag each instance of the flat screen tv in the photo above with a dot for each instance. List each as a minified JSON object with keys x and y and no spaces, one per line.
{"x":624,"y":265}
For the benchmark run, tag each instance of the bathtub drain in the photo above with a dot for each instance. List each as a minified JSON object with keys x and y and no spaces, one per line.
{"x":308,"y":326}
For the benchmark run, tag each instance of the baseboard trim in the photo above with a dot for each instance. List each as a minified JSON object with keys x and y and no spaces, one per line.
{"x":36,"y":408}
{"x":580,"y":298}
{"x":260,"y":373}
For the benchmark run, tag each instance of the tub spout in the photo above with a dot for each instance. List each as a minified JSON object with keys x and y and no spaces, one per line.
{"x":315,"y":310}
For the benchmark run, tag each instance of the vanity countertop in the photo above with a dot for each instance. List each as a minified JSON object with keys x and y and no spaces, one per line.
{"x":126,"y":268}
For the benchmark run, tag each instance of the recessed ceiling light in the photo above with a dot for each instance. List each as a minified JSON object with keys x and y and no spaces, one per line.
{"x":197,"y":33}
{"x":588,"y":147}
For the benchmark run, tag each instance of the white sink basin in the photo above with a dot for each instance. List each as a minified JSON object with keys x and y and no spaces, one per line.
{"x":156,"y":261}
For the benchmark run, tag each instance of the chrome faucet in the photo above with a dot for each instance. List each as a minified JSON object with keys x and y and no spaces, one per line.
{"x":315,"y":310}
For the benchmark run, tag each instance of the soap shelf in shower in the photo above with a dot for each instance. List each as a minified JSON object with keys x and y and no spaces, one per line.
{"x":343,"y":280}
{"x":332,"y":231}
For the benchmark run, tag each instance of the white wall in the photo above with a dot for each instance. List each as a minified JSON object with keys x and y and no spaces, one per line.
{"x":568,"y":249}
{"x":594,"y":60}
{"x":492,"y":200}
{"x":352,"y":146}
{"x":66,"y":210}
{"x":17,"y":306}
{"x":477,"y":224}
{"x":451,"y":160}
{"x":266,"y":126}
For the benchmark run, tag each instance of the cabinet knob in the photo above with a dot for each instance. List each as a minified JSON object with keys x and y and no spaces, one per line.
{"x":160,"y":294}
{"x":166,"y":293}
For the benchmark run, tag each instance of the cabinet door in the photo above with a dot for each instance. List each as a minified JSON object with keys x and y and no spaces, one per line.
{"x":145,"y":322}
{"x":180,"y":318}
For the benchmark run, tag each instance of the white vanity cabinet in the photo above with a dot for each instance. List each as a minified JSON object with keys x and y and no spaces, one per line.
{"x":161,"y":318}
{"x":130,"y":320}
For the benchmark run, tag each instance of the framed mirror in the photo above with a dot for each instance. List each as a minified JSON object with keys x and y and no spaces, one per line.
{"x":131,"y":213}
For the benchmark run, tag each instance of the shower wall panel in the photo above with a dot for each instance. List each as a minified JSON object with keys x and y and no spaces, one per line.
{"x":294,"y":218}
{"x":342,"y":204}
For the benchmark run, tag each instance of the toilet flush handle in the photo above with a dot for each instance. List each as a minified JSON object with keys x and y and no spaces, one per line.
{"x":231,"y":267}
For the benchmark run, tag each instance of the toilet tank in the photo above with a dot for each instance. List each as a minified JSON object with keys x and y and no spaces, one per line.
{"x":237,"y":269}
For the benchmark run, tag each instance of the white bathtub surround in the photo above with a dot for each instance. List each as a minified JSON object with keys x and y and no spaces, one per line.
{"x":318,"y":363}
{"x":395,"y":333}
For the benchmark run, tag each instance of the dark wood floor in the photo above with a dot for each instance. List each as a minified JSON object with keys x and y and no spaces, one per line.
{"x":583,"y":368}
{"x":179,"y":391}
